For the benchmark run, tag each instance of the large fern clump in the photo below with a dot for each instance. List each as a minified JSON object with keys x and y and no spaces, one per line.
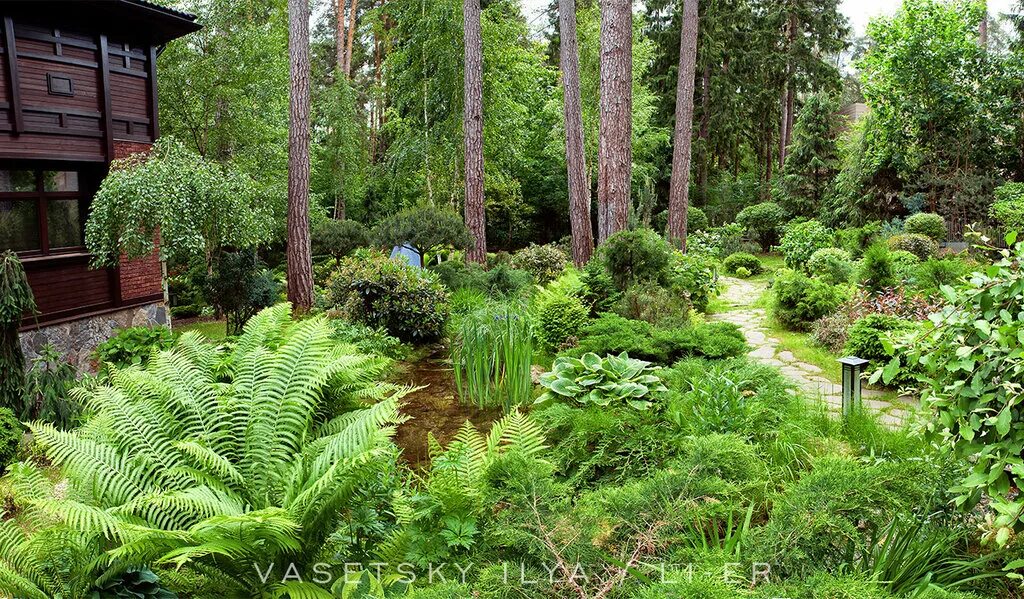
{"x":219,"y":461}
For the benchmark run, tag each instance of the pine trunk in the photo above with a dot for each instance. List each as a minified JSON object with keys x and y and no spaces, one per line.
{"x":789,"y":95}
{"x":351,"y":37}
{"x":679,"y":187}
{"x":473,"y":131}
{"x":615,"y":150}
{"x":340,"y":35}
{"x":575,"y":159}
{"x":299,"y":256}
{"x":705,"y":131}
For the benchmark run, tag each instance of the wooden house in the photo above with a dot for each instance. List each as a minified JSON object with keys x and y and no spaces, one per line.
{"x":78,"y":89}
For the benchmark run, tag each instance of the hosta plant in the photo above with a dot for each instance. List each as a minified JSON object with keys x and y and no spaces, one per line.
{"x":612,"y":380}
{"x":217,"y":460}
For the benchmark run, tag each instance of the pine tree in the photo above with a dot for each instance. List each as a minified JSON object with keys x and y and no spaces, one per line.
{"x":615,"y":150}
{"x":813,"y":161}
{"x":679,"y":191}
{"x":575,"y":159}
{"x":300,"y":259}
{"x":473,"y":130}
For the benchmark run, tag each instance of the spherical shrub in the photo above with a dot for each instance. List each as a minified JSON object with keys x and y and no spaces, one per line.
{"x":877,"y":270}
{"x":799,"y":300}
{"x":743,"y":272}
{"x":831,"y":264}
{"x":801,"y":240}
{"x":764,"y":220}
{"x":561,"y":320}
{"x":544,"y":262}
{"x":696,"y":219}
{"x":866,"y":335}
{"x":409,"y":303}
{"x":904,"y":265}
{"x":504,"y":281}
{"x":920,"y":245}
{"x":11,"y":431}
{"x":338,"y":238}
{"x":458,"y":274}
{"x":929,"y":224}
{"x":742,"y":260}
{"x":636,"y":256}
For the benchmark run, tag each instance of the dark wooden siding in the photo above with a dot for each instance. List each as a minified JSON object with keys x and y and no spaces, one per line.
{"x":65,"y":286}
{"x":112,"y":96}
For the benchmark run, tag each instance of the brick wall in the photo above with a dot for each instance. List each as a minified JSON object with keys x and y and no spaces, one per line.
{"x":143,"y":277}
{"x":124,"y":149}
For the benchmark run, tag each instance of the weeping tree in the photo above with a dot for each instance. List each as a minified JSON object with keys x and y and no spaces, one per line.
{"x":211,"y":461}
{"x":194,"y":207}
{"x":15,"y":300}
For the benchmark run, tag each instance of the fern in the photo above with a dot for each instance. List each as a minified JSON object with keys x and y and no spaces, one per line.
{"x":212,"y":460}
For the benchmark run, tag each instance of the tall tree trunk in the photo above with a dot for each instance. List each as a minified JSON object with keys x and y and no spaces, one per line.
{"x":679,"y":187}
{"x":789,"y":94}
{"x":615,"y":149}
{"x":705,"y":126}
{"x":473,"y":130}
{"x":575,"y":159}
{"x":299,"y":255}
{"x":353,"y":13}
{"x":983,"y":27}
{"x":340,"y":35}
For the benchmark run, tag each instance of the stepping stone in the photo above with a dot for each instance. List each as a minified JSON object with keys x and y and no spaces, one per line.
{"x":786,"y":356}
{"x":755,"y":337}
{"x":763,"y":353}
{"x":808,"y":367}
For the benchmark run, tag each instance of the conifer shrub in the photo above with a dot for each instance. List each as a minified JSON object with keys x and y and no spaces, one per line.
{"x":560,"y":321}
{"x":831,"y":264}
{"x":921,"y":246}
{"x":636,"y":256}
{"x":11,"y":431}
{"x":799,"y":300}
{"x":544,"y":262}
{"x":877,"y":270}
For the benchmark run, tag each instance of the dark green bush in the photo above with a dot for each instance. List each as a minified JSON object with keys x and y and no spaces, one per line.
{"x":920,"y":245}
{"x":857,"y":240}
{"x":1008,"y":209}
{"x":833,"y":265}
{"x":544,"y":262}
{"x":864,"y":338}
{"x":613,"y":334}
{"x":411,"y":304}
{"x":765,"y":220}
{"x":815,"y":521}
{"x":458,"y":274}
{"x":877,"y":271}
{"x":426,"y":228}
{"x":15,"y":300}
{"x":11,"y":431}
{"x":134,"y":345}
{"x":696,"y":276}
{"x":742,"y":260}
{"x":560,"y":321}
{"x":929,"y":224}
{"x":599,"y":291}
{"x":505,"y":281}
{"x":338,"y":238}
{"x":798,"y":300}
{"x":936,"y":272}
{"x":655,"y":304}
{"x":801,"y":240}
{"x":240,"y":287}
{"x":636,"y":256}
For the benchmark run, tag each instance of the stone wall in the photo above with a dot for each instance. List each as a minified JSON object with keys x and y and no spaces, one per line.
{"x":77,"y":339}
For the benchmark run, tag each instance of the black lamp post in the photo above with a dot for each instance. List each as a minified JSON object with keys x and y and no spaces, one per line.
{"x":852,"y":366}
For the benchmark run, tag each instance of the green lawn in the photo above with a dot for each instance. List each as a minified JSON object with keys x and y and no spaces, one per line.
{"x":214,"y":330}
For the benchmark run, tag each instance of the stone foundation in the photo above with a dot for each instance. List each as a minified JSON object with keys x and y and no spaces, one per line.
{"x":77,"y":339}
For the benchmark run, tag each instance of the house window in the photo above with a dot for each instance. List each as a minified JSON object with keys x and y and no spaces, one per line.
{"x":40,"y":212}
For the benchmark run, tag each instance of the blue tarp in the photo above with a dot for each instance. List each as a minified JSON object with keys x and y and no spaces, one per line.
{"x":408,"y":253}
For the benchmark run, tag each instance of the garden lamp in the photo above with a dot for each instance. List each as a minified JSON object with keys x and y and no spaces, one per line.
{"x":852,"y":366}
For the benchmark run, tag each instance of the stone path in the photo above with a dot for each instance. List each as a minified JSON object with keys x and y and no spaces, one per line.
{"x":741,"y":295}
